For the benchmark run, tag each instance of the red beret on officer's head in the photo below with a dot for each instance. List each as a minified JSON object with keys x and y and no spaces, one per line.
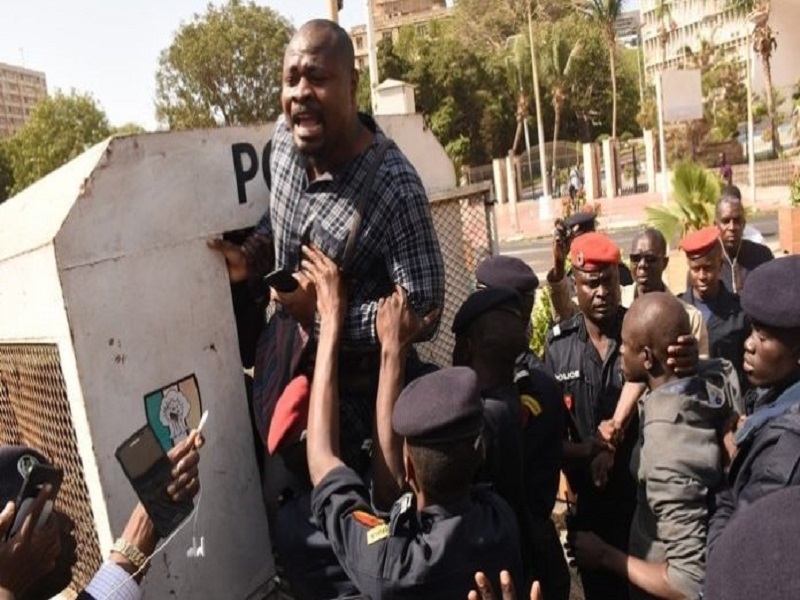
{"x":593,"y":251}
{"x":701,"y":242}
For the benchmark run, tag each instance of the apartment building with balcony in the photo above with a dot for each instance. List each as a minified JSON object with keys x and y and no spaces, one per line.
{"x":388,"y":16}
{"x":20,"y":90}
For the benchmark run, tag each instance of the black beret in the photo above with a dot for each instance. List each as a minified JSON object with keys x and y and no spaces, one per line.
{"x":625,"y":275}
{"x":482,"y":301}
{"x":442,"y":407}
{"x":507,"y":271}
{"x":15,"y":462}
{"x":584,"y":221}
{"x":751,"y":557}
{"x":772,"y":293}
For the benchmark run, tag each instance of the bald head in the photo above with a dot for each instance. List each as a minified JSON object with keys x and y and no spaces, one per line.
{"x":653,"y":322}
{"x":321,"y":36}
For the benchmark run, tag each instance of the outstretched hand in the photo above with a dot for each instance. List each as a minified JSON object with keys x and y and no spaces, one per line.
{"x":397,"y":325}
{"x":485,"y":591}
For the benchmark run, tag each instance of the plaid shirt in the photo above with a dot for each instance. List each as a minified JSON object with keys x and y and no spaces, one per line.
{"x":397,"y":242}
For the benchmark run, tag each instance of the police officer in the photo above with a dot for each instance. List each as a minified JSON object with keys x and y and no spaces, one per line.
{"x":567,"y":230}
{"x":440,"y":534}
{"x":766,"y":448}
{"x":543,"y":426}
{"x":721,"y":310}
{"x":583,"y":355}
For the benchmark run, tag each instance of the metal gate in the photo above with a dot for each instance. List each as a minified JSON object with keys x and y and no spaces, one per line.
{"x":35,"y":412}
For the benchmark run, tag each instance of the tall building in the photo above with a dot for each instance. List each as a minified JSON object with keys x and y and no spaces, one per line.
{"x":20,"y":90}
{"x":686,"y":24}
{"x":388,"y":16}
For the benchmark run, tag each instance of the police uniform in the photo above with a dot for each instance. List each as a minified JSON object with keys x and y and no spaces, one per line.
{"x":543,"y":419}
{"x":768,"y":456}
{"x":725,"y":320}
{"x":433,"y":552}
{"x":591,"y":386}
{"x":503,"y":432}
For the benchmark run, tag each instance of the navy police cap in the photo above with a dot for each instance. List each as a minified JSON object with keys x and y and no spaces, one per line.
{"x":507,"y":271}
{"x":484,"y":300}
{"x":772,"y":293}
{"x":439,"y":408}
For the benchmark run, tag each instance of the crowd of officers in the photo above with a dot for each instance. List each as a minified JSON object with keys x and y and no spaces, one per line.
{"x":668,"y":417}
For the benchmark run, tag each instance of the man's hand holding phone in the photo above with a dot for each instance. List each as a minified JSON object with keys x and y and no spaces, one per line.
{"x":31,"y":553}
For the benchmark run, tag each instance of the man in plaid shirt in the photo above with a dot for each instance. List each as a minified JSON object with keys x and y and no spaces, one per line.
{"x":322,"y":151}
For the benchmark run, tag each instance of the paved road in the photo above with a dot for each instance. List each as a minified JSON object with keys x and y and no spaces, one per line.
{"x":538,"y":253}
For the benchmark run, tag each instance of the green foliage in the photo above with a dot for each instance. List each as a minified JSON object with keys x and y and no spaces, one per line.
{"x":223,"y":68}
{"x":695,"y":193}
{"x":60,"y":128}
{"x":542,"y":319}
{"x":128,"y":129}
{"x":6,"y":172}
{"x":461,"y":90}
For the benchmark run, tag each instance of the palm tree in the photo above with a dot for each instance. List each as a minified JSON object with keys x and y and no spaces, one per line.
{"x":666,"y":25}
{"x":558,"y":69}
{"x":606,"y":12}
{"x":764,"y":44}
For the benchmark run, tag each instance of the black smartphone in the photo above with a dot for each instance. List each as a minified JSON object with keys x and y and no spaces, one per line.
{"x":281,"y":281}
{"x":35,"y":480}
{"x":148,"y":468}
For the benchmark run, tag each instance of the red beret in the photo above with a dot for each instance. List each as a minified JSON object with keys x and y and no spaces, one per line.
{"x":593,"y":251}
{"x":290,"y":418}
{"x":701,"y":242}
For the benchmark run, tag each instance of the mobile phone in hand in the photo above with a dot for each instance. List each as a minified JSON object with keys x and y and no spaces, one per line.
{"x":149,"y":470}
{"x":39,"y":476}
{"x":281,"y":280}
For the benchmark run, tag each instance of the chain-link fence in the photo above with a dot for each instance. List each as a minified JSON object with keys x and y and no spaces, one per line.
{"x":464,"y":221}
{"x":35,"y":412}
{"x":776,"y":172}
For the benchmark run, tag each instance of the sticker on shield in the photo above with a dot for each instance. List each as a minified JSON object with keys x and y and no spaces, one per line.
{"x":174,"y":410}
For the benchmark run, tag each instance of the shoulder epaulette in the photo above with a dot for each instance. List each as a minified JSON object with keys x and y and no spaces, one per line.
{"x":561,"y":329}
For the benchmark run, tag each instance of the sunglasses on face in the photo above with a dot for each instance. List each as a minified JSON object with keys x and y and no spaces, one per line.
{"x":648,"y":258}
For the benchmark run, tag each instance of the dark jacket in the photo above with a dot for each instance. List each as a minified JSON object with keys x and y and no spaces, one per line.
{"x":751,"y":254}
{"x":727,"y":328}
{"x":768,"y":460}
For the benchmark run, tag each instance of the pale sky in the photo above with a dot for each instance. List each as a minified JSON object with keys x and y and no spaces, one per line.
{"x":110,"y":47}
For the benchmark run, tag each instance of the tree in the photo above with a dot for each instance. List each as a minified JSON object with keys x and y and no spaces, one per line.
{"x":606,"y":12}
{"x":60,"y":128}
{"x":6,"y":172}
{"x":764,"y":43}
{"x":223,"y":68}
{"x":558,"y":70}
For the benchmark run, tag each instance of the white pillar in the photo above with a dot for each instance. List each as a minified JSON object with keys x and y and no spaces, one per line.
{"x":590,"y":173}
{"x":498,"y":170}
{"x":650,"y":160}
{"x":374,"y":76}
{"x":751,"y":142}
{"x":333,"y":10}
{"x":511,"y":178}
{"x":662,"y":141}
{"x":610,"y":164}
